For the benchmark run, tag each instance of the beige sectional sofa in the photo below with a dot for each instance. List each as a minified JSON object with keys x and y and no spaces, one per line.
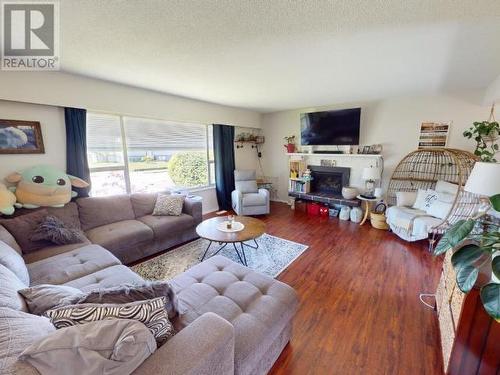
{"x":231,"y":319}
{"x":124,"y":225}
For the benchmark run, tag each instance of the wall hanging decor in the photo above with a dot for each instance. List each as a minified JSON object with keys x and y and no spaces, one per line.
{"x":433,"y":134}
{"x":21,"y":137}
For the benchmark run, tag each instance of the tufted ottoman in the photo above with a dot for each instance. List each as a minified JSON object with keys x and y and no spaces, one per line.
{"x":260,"y":309}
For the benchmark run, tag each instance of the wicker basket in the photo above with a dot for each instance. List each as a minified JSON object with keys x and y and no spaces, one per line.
{"x":378,"y":221}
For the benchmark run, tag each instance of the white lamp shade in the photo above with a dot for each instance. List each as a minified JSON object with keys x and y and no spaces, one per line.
{"x":484,"y":179}
{"x":371,"y":173}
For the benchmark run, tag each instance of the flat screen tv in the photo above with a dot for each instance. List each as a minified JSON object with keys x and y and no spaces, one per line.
{"x":339,"y":127}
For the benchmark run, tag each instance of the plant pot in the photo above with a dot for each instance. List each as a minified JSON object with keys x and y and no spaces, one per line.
{"x":492,"y":137}
{"x":290,"y":148}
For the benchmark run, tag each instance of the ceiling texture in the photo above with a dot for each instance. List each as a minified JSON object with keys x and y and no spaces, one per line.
{"x":270,"y":55}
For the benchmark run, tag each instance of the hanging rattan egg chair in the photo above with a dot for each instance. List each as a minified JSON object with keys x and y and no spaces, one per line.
{"x":422,"y":169}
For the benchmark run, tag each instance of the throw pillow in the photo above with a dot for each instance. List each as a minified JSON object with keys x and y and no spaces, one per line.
{"x":54,"y":230}
{"x":12,"y":260}
{"x":41,"y":298}
{"x":439,"y":209}
{"x":112,"y":347}
{"x":129,"y":293}
{"x":168,"y":205}
{"x":18,"y":330}
{"x":446,"y":187}
{"x":441,"y":206}
{"x":425,"y":198}
{"x":406,"y":198}
{"x":151,"y":313}
{"x":23,"y":226}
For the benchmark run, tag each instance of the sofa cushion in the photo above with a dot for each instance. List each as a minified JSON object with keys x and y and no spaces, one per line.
{"x":247,"y":186}
{"x":9,"y":287}
{"x":258,"y":306}
{"x":67,"y":214}
{"x":9,"y":239}
{"x":244,"y":175}
{"x":143,"y":203}
{"x":97,"y":211}
{"x":122,"y":234}
{"x":164,"y":226}
{"x":53,"y":250}
{"x":254,"y":199}
{"x":22,"y":227}
{"x":72,"y":265}
{"x":11,"y":259}
{"x":18,"y":330}
{"x":112,"y":347}
{"x":106,"y":278}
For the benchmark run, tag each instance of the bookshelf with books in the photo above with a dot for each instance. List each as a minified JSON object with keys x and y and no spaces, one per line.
{"x":298,"y":178}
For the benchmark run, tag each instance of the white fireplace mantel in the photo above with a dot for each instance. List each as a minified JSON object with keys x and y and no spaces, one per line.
{"x":354,"y":161}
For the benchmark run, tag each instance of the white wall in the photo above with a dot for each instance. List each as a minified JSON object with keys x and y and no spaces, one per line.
{"x":392,"y":122}
{"x":19,"y":91}
{"x":53,"y":131}
{"x":68,"y":90}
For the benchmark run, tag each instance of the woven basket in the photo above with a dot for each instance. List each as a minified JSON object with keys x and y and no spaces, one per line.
{"x":378,"y":221}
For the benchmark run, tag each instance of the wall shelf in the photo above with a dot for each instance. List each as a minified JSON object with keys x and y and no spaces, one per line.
{"x":377,"y":156}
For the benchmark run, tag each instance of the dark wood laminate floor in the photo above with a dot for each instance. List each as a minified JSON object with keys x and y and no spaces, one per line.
{"x":359,"y":308}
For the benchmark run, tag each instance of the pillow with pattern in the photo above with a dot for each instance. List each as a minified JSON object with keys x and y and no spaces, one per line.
{"x":168,"y":205}
{"x":151,"y":313}
{"x":425,"y":199}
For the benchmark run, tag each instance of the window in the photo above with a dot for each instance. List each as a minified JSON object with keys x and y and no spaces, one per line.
{"x":131,"y":154}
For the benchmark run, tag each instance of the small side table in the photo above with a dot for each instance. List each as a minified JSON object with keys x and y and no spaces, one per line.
{"x":368,"y":206}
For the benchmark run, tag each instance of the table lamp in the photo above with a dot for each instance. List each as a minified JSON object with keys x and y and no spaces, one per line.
{"x":370,"y":175}
{"x":484,"y":180}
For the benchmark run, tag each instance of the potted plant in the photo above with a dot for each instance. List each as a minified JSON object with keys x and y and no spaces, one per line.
{"x":485,"y":134}
{"x":476,"y":246}
{"x":290,"y":144}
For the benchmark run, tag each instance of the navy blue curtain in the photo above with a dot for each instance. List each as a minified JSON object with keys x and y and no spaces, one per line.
{"x":224,"y":164}
{"x":76,"y":146}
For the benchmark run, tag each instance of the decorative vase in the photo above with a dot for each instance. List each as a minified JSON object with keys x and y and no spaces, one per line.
{"x":356,"y":214}
{"x":349,"y":192}
{"x":345,"y":213}
{"x":290,"y":148}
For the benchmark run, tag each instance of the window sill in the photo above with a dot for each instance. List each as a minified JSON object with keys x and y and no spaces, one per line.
{"x":203,"y":188}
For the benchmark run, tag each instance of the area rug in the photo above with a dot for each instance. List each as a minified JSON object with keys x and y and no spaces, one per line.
{"x":271,"y":258}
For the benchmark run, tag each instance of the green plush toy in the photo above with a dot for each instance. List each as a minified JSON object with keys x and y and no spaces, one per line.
{"x":44,"y":185}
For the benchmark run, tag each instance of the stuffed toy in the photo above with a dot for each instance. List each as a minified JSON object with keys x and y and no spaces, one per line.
{"x":7,"y":200}
{"x":45,"y":186}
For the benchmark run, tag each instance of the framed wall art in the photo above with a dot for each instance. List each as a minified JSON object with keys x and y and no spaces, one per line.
{"x":433,"y":134}
{"x":21,"y":137}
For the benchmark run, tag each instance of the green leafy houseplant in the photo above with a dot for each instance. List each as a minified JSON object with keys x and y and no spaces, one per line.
{"x":485,"y":134}
{"x":472,"y":252}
